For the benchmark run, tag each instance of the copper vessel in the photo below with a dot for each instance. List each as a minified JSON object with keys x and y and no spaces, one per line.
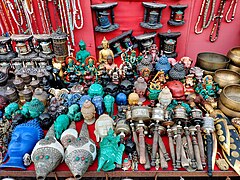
{"x":212,"y":61}
{"x":11,"y":94}
{"x":226,"y":77}
{"x":18,"y":83}
{"x":27,"y":94}
{"x":230,"y":97}
{"x":234,"y":56}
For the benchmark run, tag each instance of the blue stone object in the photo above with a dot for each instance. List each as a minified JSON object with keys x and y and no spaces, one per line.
{"x":163,"y":64}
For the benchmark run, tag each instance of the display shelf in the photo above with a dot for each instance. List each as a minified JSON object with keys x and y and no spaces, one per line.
{"x":124,"y":174}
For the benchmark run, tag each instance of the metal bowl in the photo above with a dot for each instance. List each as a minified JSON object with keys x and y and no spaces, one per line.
{"x":226,"y":77}
{"x":234,"y":56}
{"x":227,"y":111}
{"x":212,"y":61}
{"x":205,"y":72}
{"x":234,"y":68}
{"x":230,"y":97}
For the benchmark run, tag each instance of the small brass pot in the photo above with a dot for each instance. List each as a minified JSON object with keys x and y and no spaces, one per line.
{"x":212,"y":61}
{"x":234,"y":68}
{"x":230,"y":97}
{"x":226,"y":77}
{"x":234,"y":56}
{"x":227,"y":111}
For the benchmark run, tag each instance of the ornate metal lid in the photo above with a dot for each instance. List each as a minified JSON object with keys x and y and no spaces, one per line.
{"x":21,"y":37}
{"x":10,"y":91}
{"x":59,"y":35}
{"x":26,"y":91}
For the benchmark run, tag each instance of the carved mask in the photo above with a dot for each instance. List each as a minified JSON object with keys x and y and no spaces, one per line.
{"x":126,"y":87}
{"x":111,"y":89}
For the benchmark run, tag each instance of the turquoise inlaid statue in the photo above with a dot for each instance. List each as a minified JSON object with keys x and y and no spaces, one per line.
{"x":109,"y":104}
{"x":95,"y":90}
{"x":74,"y":113}
{"x":61,"y":124}
{"x":110,"y":152}
{"x":82,"y":54}
{"x":10,"y":110}
{"x":36,"y":107}
{"x":174,"y":103}
{"x":25,"y":110}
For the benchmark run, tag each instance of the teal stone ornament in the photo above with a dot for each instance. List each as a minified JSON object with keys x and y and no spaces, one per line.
{"x":110,"y":152}
{"x":95,"y":90}
{"x":61,"y":124}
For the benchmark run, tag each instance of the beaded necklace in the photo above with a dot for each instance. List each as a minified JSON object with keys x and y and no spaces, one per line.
{"x":19,"y":14}
{"x":22,"y":14}
{"x":61,"y":15}
{"x":45,"y":16}
{"x":1,"y":28}
{"x":76,"y":14}
{"x":9,"y":16}
{"x":11,"y":8}
{"x":4,"y":18}
{"x":41,"y":16}
{"x":235,"y":2}
{"x":65,"y":17}
{"x":57,"y":11}
{"x":27,"y":18}
{"x":30,"y":11}
{"x":70,"y":21}
{"x":205,"y":22}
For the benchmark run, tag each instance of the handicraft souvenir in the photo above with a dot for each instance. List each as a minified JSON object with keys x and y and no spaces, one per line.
{"x":24,"y":138}
{"x":45,"y":121}
{"x":133,"y":99}
{"x":82,"y":54}
{"x":152,"y":15}
{"x":45,"y":46}
{"x":163,"y":64}
{"x":177,"y":15}
{"x":6,"y":49}
{"x":177,"y":89}
{"x":140,"y":86}
{"x":104,"y":23}
{"x":47,"y":154}
{"x":110,"y":152}
{"x":145,"y":41}
{"x":25,"y":47}
{"x":109,"y":104}
{"x":81,"y":153}
{"x":122,"y":129}
{"x":88,"y":112}
{"x":165,"y":97}
{"x":60,"y":48}
{"x":69,"y":135}
{"x":98,"y":103}
{"x":102,"y":126}
{"x":105,"y":52}
{"x":168,"y":43}
{"x":61,"y":124}
{"x":126,"y":87}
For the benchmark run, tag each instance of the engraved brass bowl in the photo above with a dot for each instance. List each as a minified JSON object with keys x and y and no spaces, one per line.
{"x":226,"y":77}
{"x":205,"y":72}
{"x":234,"y":56}
{"x":212,"y":61}
{"x":230,"y":97}
{"x":234,"y":68}
{"x":227,"y":111}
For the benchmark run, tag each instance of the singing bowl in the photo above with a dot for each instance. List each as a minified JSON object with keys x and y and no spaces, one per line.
{"x":234,"y":68}
{"x":234,"y":56}
{"x":205,"y":72}
{"x":212,"y":61}
{"x":230,"y":97}
{"x":227,"y":111}
{"x":226,"y":77}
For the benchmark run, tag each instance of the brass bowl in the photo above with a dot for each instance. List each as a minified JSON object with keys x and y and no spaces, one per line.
{"x":227,"y":111}
{"x":212,"y":61}
{"x":226,"y":77}
{"x":230,"y":97}
{"x":234,"y":56}
{"x":234,"y":68}
{"x":205,"y":72}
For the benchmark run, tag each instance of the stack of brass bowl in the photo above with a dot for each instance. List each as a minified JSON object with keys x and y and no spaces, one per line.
{"x":229,"y":101}
{"x":234,"y":56}
{"x":226,"y":77}
{"x":210,"y":62}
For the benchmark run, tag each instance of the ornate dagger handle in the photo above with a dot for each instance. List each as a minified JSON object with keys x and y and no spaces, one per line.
{"x":154,"y":146}
{"x":172,"y":150}
{"x":178,"y":146}
{"x":190,"y":147}
{"x":196,"y":151}
{"x":209,"y":153}
{"x":201,"y":147}
{"x":164,"y":164}
{"x":142,"y":147}
{"x":135,"y":138}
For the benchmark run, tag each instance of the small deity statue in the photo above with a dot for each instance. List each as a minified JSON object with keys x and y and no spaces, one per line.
{"x":105,"y":52}
{"x":208,"y":88}
{"x":24,"y":138}
{"x":114,"y":73}
{"x":82,"y":54}
{"x":102,"y":126}
{"x":189,"y":84}
{"x":163,"y":64}
{"x":154,"y":52}
{"x":61,"y":124}
{"x":90,"y":65}
{"x":187,"y":61}
{"x":141,"y":86}
{"x":88,"y":111}
{"x":109,"y":104}
{"x":165,"y":97}
{"x":110,"y":64}
{"x":110,"y":152}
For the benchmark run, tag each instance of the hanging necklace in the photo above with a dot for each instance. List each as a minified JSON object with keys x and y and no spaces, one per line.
{"x":235,"y":2}
{"x":217,"y":22}
{"x":205,"y":22}
{"x":4,"y":18}
{"x":198,"y":30}
{"x":30,"y":11}
{"x":19,"y":6}
{"x":9,"y":16}
{"x":11,"y":8}
{"x":41,"y":16}
{"x":1,"y":28}
{"x":76,"y":15}
{"x":70,"y":21}
{"x":45,"y":16}
{"x":65,"y":17}
{"x":19,"y":14}
{"x":61,"y":15}
{"x":27,"y":18}
{"x":57,"y":13}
